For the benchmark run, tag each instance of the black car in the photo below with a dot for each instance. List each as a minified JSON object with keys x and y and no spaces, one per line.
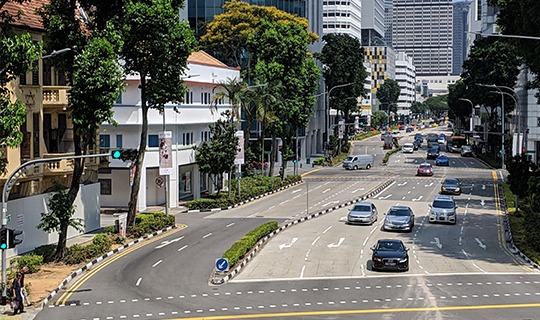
{"x":419,"y":136}
{"x":451,"y":186}
{"x":432,"y":153}
{"x":417,"y":144}
{"x":390,"y":254}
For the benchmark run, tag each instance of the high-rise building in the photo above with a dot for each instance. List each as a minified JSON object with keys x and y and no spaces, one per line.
{"x":388,"y":20}
{"x":343,"y":17}
{"x":382,"y":62}
{"x":406,"y":78}
{"x":372,"y":22}
{"x":423,"y":29}
{"x":461,"y":10}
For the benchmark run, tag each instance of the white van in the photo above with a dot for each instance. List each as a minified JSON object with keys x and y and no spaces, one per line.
{"x":358,"y":161}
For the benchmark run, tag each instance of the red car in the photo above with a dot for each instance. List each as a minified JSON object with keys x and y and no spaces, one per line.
{"x":425,"y":169}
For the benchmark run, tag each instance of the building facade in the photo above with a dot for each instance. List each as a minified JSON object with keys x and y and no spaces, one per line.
{"x":423,"y":29}
{"x":461,"y":11}
{"x":388,"y":21}
{"x":406,"y":78}
{"x":343,"y":17}
{"x":373,"y":22}
{"x":382,"y":60}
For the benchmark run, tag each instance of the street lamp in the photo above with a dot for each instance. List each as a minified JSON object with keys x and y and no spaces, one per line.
{"x":328,"y":107}
{"x":502,"y":118}
{"x":472,"y":113}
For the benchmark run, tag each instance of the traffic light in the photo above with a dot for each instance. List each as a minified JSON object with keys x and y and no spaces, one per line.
{"x":124,"y":154}
{"x":361,"y":123}
{"x":13,"y":241}
{"x":280,"y":148}
{"x":294,"y":160}
{"x":4,"y":238}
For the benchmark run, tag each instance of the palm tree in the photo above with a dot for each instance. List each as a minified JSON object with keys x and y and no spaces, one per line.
{"x":234,"y":91}
{"x":257,"y":107}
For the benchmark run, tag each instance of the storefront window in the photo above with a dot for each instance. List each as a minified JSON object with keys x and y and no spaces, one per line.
{"x":185,"y":184}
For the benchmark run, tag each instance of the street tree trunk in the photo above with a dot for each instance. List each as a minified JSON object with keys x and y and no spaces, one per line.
{"x":273,"y":156}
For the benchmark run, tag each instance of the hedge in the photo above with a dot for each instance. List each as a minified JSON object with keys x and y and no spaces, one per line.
{"x":391,"y":152}
{"x":239,"y":249}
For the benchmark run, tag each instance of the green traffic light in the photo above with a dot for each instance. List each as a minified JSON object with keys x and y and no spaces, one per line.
{"x":3,"y":246}
{"x":116,"y":154}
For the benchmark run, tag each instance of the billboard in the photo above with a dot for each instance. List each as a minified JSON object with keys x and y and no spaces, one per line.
{"x":165,"y":153}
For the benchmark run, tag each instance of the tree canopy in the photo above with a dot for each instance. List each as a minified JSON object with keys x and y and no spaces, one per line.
{"x":388,"y":94}
{"x":437,"y":105}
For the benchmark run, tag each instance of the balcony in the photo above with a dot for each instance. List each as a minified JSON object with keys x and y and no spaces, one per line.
{"x":55,"y":96}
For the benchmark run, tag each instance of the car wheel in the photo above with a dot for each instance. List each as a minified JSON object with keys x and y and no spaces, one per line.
{"x":355,"y":168}
{"x":368,"y":166}
{"x":407,"y":269}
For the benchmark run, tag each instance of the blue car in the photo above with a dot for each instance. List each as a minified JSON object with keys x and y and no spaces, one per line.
{"x":442,"y":160}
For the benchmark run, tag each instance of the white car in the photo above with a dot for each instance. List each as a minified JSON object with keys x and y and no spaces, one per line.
{"x":408,"y":148}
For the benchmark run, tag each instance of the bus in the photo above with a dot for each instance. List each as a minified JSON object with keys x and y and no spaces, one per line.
{"x":453,"y":144}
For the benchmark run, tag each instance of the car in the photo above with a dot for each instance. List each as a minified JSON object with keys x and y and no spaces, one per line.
{"x":443,"y":209}
{"x":419,"y":136}
{"x":417,"y":144}
{"x":390,"y":254}
{"x":434,"y":145}
{"x":385,"y":134}
{"x":363,"y":213}
{"x":449,"y":125}
{"x":408,"y":148}
{"x":432,"y":153}
{"x":425,"y":169}
{"x":442,"y":160}
{"x":409,"y":129}
{"x":466,"y":151}
{"x":399,"y":218}
{"x":401,"y":128}
{"x":441,"y":139}
{"x":451,"y":185}
{"x":356,"y":162}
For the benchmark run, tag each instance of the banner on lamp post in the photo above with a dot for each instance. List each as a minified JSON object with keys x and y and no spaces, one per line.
{"x":239,"y":148}
{"x":165,"y":153}
{"x":341,"y":129}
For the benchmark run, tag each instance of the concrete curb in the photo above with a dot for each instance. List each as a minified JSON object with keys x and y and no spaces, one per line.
{"x":217,"y":279}
{"x":484,"y":163}
{"x":508,"y":232}
{"x":97,"y":260}
{"x":246,"y":201}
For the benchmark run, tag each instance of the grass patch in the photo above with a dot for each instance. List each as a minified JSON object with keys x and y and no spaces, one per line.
{"x":366,"y":135}
{"x":510,"y":199}
{"x":492,"y":161}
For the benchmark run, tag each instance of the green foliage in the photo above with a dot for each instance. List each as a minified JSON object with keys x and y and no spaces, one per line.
{"x":343,"y":58}
{"x":378,"y":118}
{"x":32,"y":261}
{"x":12,"y":116}
{"x":46,"y":251}
{"x":147,"y":226}
{"x":77,"y":253}
{"x":388,"y":94}
{"x":520,"y":171}
{"x":417,"y":107}
{"x":491,"y":160}
{"x":60,"y":212}
{"x":437,"y":105}
{"x":110,"y":230}
{"x":391,"y":152}
{"x":239,"y":249}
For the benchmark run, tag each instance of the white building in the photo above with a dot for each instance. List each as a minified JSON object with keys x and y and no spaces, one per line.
{"x":436,"y":85}
{"x":343,"y":17}
{"x":366,"y":102}
{"x":406,"y":78}
{"x":189,"y":126}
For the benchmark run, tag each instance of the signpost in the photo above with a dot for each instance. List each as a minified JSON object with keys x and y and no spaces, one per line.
{"x":222,"y":264}
{"x":159,"y":182}
{"x":239,"y":160}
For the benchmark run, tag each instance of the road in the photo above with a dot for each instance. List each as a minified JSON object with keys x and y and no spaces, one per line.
{"x":321,"y":268}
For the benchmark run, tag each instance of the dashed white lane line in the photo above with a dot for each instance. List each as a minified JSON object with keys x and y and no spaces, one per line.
{"x":138,"y":282}
{"x":313,"y":243}
{"x":155,"y":264}
{"x":207,"y":235}
{"x":252,"y":215}
{"x":182,"y":248}
{"x":330,"y":227}
{"x":229,"y":225}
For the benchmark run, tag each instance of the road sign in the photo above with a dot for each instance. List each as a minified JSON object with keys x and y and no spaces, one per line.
{"x":159,"y":181}
{"x":222,"y":264}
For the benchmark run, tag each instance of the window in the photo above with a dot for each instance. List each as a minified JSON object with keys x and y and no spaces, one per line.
{"x":153,"y":141}
{"x":104,"y":141}
{"x":119,"y":100}
{"x":106,"y":187}
{"x":119,"y":141}
{"x":22,"y":79}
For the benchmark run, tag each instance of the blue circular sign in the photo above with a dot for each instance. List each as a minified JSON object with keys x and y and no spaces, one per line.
{"x":222,"y":264}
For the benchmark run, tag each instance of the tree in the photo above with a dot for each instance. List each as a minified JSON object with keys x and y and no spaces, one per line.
{"x":234,"y":92}
{"x":520,"y":170}
{"x":283,"y":58}
{"x":417,"y":107}
{"x":156,"y":47}
{"x":458,"y":109}
{"x":437,"y":105}
{"x":217,"y":157}
{"x":343,"y":59}
{"x":526,"y":25}
{"x":388,"y":94}
{"x":378,"y":118}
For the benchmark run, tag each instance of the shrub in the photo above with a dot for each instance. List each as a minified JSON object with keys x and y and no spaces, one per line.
{"x":147,"y":226}
{"x":32,"y":261}
{"x":110,"y":229}
{"x":103,"y":241}
{"x":75,"y":254}
{"x":239,"y":249}
{"x":46,"y":251}
{"x":391,"y":152}
{"x":119,"y":240}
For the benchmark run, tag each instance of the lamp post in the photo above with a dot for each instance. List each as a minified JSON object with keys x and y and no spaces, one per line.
{"x":328,"y":107}
{"x":502,"y":118}
{"x":471,"y":127}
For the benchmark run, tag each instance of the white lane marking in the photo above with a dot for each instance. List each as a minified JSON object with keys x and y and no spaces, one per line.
{"x":403,"y":198}
{"x":207,"y":235}
{"x":474,"y":264}
{"x":402,"y":184}
{"x":297,"y":196}
{"x":365,"y":241}
{"x":284,"y":245}
{"x":483,"y":187}
{"x":272,"y":207}
{"x":313,"y":243}
{"x":461,"y":232}
{"x":229,"y":225}
{"x":138,"y":282}
{"x":325,"y":191}
{"x":482,"y":202}
{"x":182,"y":248}
{"x":307,"y":254}
{"x":428,"y":185}
{"x":330,"y":227}
{"x":332,"y":245}
{"x":384,"y":198}
{"x":284,"y":202}
{"x":418,"y":198}
{"x":384,"y":190}
{"x":302,"y":272}
{"x":252,"y":215}
{"x":167,"y":242}
{"x":297,"y":190}
{"x":357,"y":190}
{"x":483,"y":246}
{"x":437,"y":243}
{"x":155,"y":264}
{"x":329,"y":203}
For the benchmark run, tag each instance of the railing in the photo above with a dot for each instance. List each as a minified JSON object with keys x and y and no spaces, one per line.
{"x":55,"y":96}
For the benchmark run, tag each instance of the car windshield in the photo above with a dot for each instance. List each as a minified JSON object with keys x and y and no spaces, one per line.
{"x":398,"y":212}
{"x":466,"y":148}
{"x":389,"y":246}
{"x":433,"y":150}
{"x":425,"y":166}
{"x":451,"y":181}
{"x":443,"y":157}
{"x":408,"y":145}
{"x":362,"y":208}
{"x":443,"y":204}
{"x":348,"y":159}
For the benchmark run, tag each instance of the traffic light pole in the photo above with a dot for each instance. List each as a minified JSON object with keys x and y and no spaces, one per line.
{"x":10,"y":182}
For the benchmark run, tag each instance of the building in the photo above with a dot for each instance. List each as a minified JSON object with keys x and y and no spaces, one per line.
{"x":366,"y":103}
{"x":431,"y":86}
{"x":189,"y":128}
{"x":373,"y":22}
{"x":382,"y":60}
{"x":343,"y":17}
{"x":461,"y":11}
{"x":406,"y":78}
{"x":423,"y":29}
{"x":388,"y":21}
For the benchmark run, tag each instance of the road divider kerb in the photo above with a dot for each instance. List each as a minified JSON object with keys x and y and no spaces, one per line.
{"x":101,"y":258}
{"x":218,"y":279}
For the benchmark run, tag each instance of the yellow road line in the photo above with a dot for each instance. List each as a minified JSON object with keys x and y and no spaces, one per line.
{"x":309,"y":172}
{"x":494,"y":173}
{"x":66,"y":295}
{"x":367,"y":311}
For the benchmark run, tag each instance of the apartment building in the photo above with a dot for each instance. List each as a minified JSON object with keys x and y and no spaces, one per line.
{"x":461,"y":11}
{"x":406,"y":78}
{"x":343,"y":17}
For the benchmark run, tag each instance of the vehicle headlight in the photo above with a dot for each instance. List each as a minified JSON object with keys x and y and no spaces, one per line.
{"x":457,"y":189}
{"x":444,"y":188}
{"x":378,"y":259}
{"x":402,"y":260}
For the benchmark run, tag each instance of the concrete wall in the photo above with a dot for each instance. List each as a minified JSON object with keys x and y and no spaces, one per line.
{"x":26,"y":215}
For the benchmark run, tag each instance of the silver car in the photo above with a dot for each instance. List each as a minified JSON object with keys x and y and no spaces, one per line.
{"x":363,"y":213}
{"x":399,"y":218}
{"x":443,"y":209}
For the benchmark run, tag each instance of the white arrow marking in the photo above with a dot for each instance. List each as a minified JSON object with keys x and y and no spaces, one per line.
{"x":281,"y":246}
{"x":437,"y":243}
{"x":164,"y":243}
{"x":418,"y":198}
{"x":483,"y":246}
{"x":402,"y":184}
{"x":453,"y":162}
{"x":342,"y":218}
{"x":357,"y":190}
{"x":482,"y":202}
{"x":428,"y":185}
{"x":295,"y":191}
{"x":472,"y":162}
{"x":325,"y":191}
{"x":383,"y":198}
{"x":336,"y":245}
{"x":324,"y":205}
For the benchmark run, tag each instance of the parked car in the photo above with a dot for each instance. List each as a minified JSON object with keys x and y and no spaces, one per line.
{"x":390,"y":254}
{"x":356,"y":162}
{"x":442,"y":160}
{"x":399,"y":218}
{"x":443,"y":209}
{"x":425,"y":169}
{"x":363,"y":213}
{"x":466,"y":151}
{"x":408,"y":148}
{"x":451,"y":185}
{"x":432,"y":153}
{"x":417,"y":144}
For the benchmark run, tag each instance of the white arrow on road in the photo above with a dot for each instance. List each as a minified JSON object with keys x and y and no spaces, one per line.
{"x":164,"y":243}
{"x":384,"y":198}
{"x":437,"y":243}
{"x":483,"y":246}
{"x":483,"y":187}
{"x":331,"y":202}
{"x":357,"y":190}
{"x":428,"y":185}
{"x":336,"y":245}
{"x":418,"y":198}
{"x":482,"y":202}
{"x":402,"y":184}
{"x":281,"y":246}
